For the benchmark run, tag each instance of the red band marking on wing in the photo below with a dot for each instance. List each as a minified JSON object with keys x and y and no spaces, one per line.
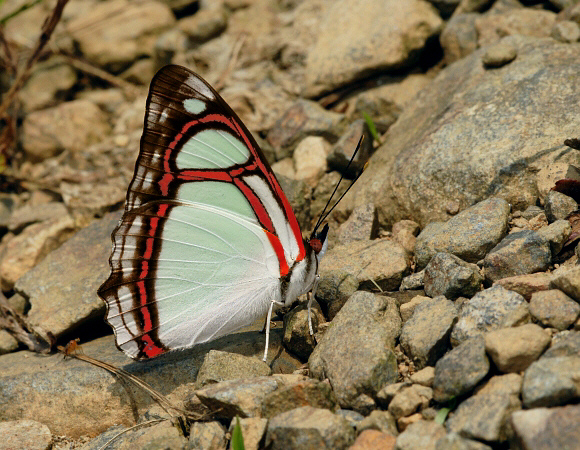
{"x":277,"y":245}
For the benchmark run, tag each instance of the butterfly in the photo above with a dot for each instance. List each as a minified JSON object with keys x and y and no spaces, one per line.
{"x":208,"y":242}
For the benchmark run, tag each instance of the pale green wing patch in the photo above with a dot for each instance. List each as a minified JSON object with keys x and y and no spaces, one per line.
{"x":212,"y":149}
{"x":194,"y":105}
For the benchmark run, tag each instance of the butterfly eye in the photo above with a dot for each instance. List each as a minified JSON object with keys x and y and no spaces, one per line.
{"x":316,"y":245}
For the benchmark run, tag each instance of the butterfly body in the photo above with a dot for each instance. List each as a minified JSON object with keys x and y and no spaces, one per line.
{"x":208,"y":242}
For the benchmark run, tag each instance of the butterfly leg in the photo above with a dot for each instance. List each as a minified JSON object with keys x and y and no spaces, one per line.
{"x":312,"y":293}
{"x":268,"y":319}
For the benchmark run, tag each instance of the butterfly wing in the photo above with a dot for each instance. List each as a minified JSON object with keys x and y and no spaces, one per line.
{"x":207,"y":233}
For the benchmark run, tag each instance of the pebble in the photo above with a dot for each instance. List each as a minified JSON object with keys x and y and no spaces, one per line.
{"x":448,"y":275}
{"x":553,"y":308}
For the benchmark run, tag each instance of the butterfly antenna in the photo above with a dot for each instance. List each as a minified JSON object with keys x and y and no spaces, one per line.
{"x":322,"y":214}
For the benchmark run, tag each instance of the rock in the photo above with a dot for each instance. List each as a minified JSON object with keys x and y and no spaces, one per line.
{"x":381,"y":260}
{"x":509,"y":384}
{"x":405,"y":232}
{"x":387,"y":393}
{"x":568,"y":282}
{"x":490,"y":309}
{"x":543,"y":428}
{"x":459,"y":37}
{"x":551,"y":173}
{"x":359,"y":343}
{"x":8,"y":343}
{"x":160,"y":435}
{"x":30,"y":247}
{"x":410,"y":400}
{"x":49,"y":83}
{"x":498,"y":55}
{"x":27,"y":434}
{"x":412,"y":282}
{"x":551,"y":381}
{"x":317,"y":394}
{"x":516,"y":21}
{"x":514,"y":349}
{"x":204,"y":25}
{"x":297,"y":338}
{"x":239,"y":397}
{"x":342,"y":152}
{"x":566,"y":31}
{"x":403,"y":29}
{"x":518,"y":253}
{"x":207,"y":435}
{"x":362,"y":225}
{"x":531,"y":212}
{"x":554,"y":309}
{"x":425,"y":336}
{"x":29,"y":214}
{"x":140,"y":72}
{"x":407,"y":309}
{"x":334,"y":290}
{"x":107,"y":22}
{"x":253,"y":431}
{"x":424,"y":377}
{"x":80,"y":123}
{"x":61,"y":308}
{"x":351,"y":416}
{"x":308,"y":428}
{"x":460,"y":370}
{"x":420,"y":435}
{"x":469,"y":235}
{"x":378,"y":420}
{"x":453,"y":441}
{"x":448,"y":275}
{"x":304,"y":118}
{"x":310,"y":157}
{"x":485,"y":417}
{"x":221,"y":366}
{"x":414,"y":173}
{"x":557,"y":234}
{"x":404,"y":422}
{"x":558,"y":206}
{"x":372,"y":439}
{"x":526,"y":285}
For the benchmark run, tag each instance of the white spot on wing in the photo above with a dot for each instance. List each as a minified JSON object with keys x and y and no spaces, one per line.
{"x":193,"y":105}
{"x":200,"y":87}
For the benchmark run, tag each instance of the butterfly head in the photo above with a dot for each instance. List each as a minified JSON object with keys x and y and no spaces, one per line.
{"x":318,"y":242}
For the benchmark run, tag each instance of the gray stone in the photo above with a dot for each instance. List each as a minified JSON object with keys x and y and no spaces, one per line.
{"x":459,"y":37}
{"x":568,"y":282}
{"x":485,"y":417}
{"x":453,"y":441}
{"x":425,"y":336}
{"x":204,"y":24}
{"x":304,"y":118}
{"x":554,"y":309}
{"x":556,"y":233}
{"x":351,"y":416}
{"x":334,"y":290}
{"x":526,"y":285}
{"x":297,"y":338}
{"x":490,"y":309}
{"x":514,"y":349}
{"x":531,"y":212}
{"x":29,"y":214}
{"x":359,"y":343}
{"x":469,"y":235}
{"x":348,"y":47}
{"x":460,"y":370}
{"x":420,"y":435}
{"x":378,"y":420}
{"x":362,"y":225}
{"x":437,"y":153}
{"x":27,"y":434}
{"x":558,"y":206}
{"x":409,"y":400}
{"x":448,"y":275}
{"x":60,"y":308}
{"x":552,"y":380}
{"x":253,"y":431}
{"x":544,"y":429}
{"x":519,"y":253}
{"x":413,"y":281}
{"x":317,"y":394}
{"x":499,"y":55}
{"x":240,"y":397}
{"x":308,"y":428}
{"x":381,"y":260}
{"x":566,"y":31}
{"x":207,"y":436}
{"x":221,"y":366}
{"x":492,"y":27}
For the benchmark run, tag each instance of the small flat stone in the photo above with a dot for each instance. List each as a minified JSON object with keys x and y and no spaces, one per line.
{"x":413,"y":281}
{"x":29,"y":214}
{"x":518,"y":253}
{"x":424,"y":377}
{"x":460,"y":370}
{"x":490,"y":309}
{"x":25,"y":434}
{"x":568,"y":282}
{"x":308,"y":428}
{"x":310,"y":158}
{"x":317,"y":394}
{"x":546,"y":428}
{"x":556,"y":233}
{"x":420,"y":435}
{"x":378,"y":420}
{"x":448,"y":275}
{"x":410,"y":400}
{"x":408,"y":308}
{"x":558,"y":206}
{"x":554,"y":309}
{"x":361,"y":225}
{"x":526,"y":285}
{"x":221,"y":366}
{"x":468,"y":235}
{"x":425,"y":336}
{"x":373,"y":439}
{"x":566,"y":31}
{"x":207,"y":435}
{"x":514,"y":349}
{"x":499,"y":55}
